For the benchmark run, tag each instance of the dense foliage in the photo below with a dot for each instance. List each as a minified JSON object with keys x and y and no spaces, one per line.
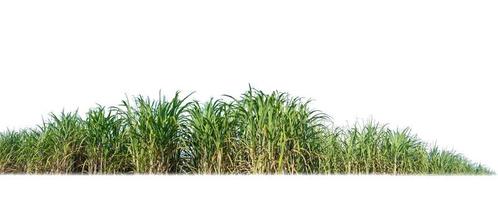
{"x":257,"y":133}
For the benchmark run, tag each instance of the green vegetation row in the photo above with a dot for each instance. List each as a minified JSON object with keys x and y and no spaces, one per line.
{"x":257,"y":133}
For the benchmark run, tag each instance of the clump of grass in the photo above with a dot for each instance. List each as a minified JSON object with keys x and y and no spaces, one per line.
{"x":449,"y":162}
{"x":257,"y":133}
{"x":10,"y":143}
{"x":105,"y":142}
{"x":60,"y":146}
{"x":279,"y":134}
{"x":155,"y":130}
{"x":27,"y":159}
{"x":213,"y":144}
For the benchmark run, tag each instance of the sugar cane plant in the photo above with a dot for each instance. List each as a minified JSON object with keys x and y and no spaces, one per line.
{"x":256,"y":133}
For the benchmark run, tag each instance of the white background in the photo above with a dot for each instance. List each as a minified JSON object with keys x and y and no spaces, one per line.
{"x":426,"y":64}
{"x":248,"y":187}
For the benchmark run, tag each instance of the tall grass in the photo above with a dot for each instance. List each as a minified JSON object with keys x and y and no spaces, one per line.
{"x":256,"y":133}
{"x":105,"y":142}
{"x":213,"y":141}
{"x":155,"y":129}
{"x":60,"y":146}
{"x":279,"y":134}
